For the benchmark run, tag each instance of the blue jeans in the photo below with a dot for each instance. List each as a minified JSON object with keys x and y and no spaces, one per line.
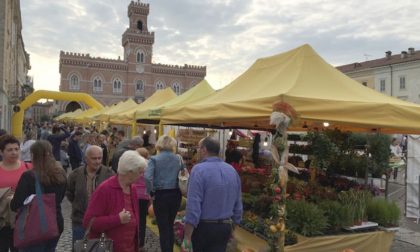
{"x":78,"y":232}
{"x":48,"y":246}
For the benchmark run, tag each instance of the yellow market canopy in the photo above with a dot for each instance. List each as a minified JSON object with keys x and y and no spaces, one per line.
{"x":158,"y":98}
{"x":105,"y":116}
{"x":316,"y":90}
{"x":83,"y":117}
{"x":69,"y":115}
{"x":152,"y":115}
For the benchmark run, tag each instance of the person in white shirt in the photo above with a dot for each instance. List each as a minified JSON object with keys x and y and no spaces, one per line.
{"x":25,"y":147}
{"x":396,"y":151}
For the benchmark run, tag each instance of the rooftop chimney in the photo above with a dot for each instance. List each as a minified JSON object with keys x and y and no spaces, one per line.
{"x":411,"y":50}
{"x":403,"y":54}
{"x":388,"y":54}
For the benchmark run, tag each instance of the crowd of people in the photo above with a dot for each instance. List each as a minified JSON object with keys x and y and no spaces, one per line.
{"x":111,"y":180}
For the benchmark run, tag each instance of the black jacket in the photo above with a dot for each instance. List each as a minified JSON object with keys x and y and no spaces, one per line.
{"x":75,"y":153}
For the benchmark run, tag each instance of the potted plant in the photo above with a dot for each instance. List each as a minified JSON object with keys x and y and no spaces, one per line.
{"x":305,"y":218}
{"x":385,"y":213}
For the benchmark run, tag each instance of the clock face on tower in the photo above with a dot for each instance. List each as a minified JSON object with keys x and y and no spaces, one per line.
{"x":140,"y":68}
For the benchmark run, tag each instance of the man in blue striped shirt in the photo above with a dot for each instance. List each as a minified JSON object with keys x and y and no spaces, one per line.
{"x":214,"y":201}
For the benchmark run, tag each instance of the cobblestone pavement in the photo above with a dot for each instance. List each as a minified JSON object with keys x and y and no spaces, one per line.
{"x":407,"y":239}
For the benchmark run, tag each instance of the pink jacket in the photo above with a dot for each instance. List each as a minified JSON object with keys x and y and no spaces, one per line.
{"x":141,"y":189}
{"x":105,"y":205}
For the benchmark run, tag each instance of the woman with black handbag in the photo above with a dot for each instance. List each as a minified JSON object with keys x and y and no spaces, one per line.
{"x":47,"y":178}
{"x":113,"y":209}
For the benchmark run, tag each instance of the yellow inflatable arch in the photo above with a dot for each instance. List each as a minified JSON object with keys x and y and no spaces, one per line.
{"x":17,"y":118}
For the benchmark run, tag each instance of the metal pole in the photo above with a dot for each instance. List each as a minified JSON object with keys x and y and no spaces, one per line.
{"x":418,"y":215}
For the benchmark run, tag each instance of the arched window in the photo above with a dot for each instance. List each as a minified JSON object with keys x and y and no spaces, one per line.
{"x":176,"y":87}
{"x":159,"y":85}
{"x":117,"y":86}
{"x":74,"y":82}
{"x":97,"y":84}
{"x":140,"y":25}
{"x":140,"y":86}
{"x":140,"y":56}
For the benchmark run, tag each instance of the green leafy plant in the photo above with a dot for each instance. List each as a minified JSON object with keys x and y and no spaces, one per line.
{"x":378,"y":147}
{"x":305,"y":218}
{"x":356,"y":201}
{"x":385,"y":213}
{"x":322,"y":148}
{"x":345,"y":153}
{"x":338,"y":215}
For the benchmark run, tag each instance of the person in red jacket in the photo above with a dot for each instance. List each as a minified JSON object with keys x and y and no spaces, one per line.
{"x":113,"y":208}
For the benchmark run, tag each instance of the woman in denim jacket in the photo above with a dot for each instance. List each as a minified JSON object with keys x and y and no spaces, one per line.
{"x":162,"y":183}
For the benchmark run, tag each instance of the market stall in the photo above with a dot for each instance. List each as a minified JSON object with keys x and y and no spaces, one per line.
{"x":321,"y":96}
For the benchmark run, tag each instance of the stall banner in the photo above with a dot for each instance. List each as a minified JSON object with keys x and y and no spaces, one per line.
{"x":413,"y":175}
{"x":191,"y":135}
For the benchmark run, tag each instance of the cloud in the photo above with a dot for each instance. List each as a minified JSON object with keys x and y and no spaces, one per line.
{"x":226,"y":36}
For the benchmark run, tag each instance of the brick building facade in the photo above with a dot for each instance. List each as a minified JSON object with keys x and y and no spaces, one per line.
{"x":135,"y":76}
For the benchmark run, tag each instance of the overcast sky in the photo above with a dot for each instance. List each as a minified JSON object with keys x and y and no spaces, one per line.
{"x":225,"y":35}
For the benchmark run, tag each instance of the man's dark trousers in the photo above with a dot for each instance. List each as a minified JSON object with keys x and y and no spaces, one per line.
{"x":211,"y":237}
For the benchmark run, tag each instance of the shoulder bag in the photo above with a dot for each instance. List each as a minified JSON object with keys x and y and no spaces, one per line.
{"x":36,"y":221}
{"x":183,"y":177}
{"x":103,"y":244}
{"x":6,"y":214}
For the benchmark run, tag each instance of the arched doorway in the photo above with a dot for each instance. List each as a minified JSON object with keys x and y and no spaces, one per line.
{"x":72,"y":106}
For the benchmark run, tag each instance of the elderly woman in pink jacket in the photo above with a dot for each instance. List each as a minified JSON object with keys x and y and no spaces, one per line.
{"x":113,"y":208}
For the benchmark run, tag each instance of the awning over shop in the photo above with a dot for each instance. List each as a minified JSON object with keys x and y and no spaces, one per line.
{"x":69,"y":115}
{"x":83,"y":117}
{"x":316,"y":90}
{"x":152,"y":115}
{"x":157,"y":99}
{"x":106,"y":115}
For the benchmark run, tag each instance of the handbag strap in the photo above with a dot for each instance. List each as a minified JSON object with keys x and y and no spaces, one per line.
{"x":25,"y":211}
{"x":87,"y":232}
{"x":85,"y":237}
{"x":42,"y":216}
{"x":181,"y":162}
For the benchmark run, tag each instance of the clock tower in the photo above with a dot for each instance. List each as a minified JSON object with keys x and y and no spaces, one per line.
{"x":137,"y":40}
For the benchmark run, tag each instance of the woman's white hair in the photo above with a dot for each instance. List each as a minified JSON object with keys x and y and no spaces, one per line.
{"x":131,"y":161}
